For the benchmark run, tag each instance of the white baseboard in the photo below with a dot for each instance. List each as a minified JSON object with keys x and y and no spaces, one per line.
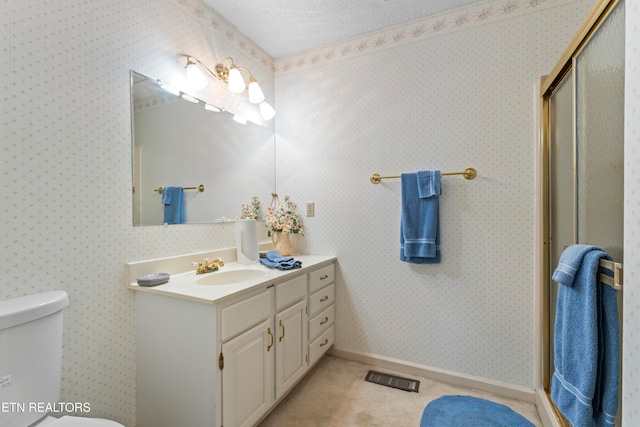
{"x":450,"y":377}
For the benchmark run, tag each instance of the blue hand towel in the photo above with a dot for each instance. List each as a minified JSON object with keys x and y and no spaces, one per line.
{"x":420,"y":222}
{"x":173,"y":200}
{"x":428,"y":184}
{"x":275,"y":260}
{"x":584,"y":386}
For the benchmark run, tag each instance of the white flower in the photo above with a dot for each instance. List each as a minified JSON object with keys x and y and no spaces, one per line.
{"x":284,"y":218}
{"x":252,"y":211}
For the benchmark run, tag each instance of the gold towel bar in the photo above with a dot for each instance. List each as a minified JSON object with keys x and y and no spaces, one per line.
{"x":200,"y":188}
{"x":616,"y":281}
{"x":468,"y":173}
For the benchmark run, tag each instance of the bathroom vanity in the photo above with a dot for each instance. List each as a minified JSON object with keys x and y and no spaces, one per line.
{"x":223,"y":348}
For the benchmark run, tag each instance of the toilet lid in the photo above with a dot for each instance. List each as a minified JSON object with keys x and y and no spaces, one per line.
{"x":68,"y":421}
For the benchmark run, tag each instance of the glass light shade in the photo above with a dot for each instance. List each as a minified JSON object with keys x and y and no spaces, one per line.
{"x":240,"y":119}
{"x":169,"y":89}
{"x":235,"y":81}
{"x":266,"y":111}
{"x":190,"y":98}
{"x":255,"y":93}
{"x":210,"y":107}
{"x":196,"y":78}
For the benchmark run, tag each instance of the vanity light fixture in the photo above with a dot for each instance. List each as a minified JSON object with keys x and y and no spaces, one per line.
{"x":266,"y":111}
{"x":210,"y":107}
{"x":231,"y":74}
{"x":187,"y":97}
{"x":190,"y":98}
{"x":240,"y":119}
{"x":196,"y":79}
{"x":168,"y":88}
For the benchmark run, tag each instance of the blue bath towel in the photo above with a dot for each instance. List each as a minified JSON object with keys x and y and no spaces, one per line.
{"x":608,"y":383}
{"x":173,"y":200}
{"x":584,"y":386}
{"x":275,"y":260}
{"x":420,"y":222}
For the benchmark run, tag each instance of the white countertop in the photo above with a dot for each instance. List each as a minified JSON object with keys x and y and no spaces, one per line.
{"x":184,"y":285}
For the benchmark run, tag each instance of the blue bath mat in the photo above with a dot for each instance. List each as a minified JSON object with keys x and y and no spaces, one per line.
{"x":465,"y":411}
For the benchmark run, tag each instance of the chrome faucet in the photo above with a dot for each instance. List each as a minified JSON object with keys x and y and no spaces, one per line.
{"x":208,"y":266}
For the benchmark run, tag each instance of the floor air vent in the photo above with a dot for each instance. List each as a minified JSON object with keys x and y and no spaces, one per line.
{"x":405,"y":384}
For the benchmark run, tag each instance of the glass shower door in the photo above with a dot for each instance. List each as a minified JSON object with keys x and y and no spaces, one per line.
{"x":562,"y":186}
{"x":599,"y":70}
{"x":585,"y":143}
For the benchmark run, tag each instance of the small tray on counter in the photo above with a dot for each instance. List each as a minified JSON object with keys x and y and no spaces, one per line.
{"x":154,"y":279}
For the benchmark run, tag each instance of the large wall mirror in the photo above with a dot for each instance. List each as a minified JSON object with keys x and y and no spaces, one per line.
{"x":179,"y":143}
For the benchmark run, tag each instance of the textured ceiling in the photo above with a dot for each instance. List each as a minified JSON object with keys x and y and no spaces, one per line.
{"x":287,"y":27}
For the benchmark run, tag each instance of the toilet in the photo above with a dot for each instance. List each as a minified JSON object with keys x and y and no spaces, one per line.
{"x":31,"y":362}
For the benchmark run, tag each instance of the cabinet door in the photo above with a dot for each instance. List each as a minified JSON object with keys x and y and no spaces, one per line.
{"x":291,"y":348}
{"x":247,"y":376}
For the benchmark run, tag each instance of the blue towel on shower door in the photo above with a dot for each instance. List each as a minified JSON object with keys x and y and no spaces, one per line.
{"x":173,"y":200}
{"x":584,"y":386}
{"x":420,"y":222}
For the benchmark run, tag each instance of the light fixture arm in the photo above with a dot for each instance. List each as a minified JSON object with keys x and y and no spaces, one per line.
{"x":192,"y":60}
{"x":222,"y":70}
{"x":230,"y":73}
{"x":251,"y":78}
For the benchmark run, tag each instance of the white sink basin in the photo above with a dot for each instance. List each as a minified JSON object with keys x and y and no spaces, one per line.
{"x":231,"y":277}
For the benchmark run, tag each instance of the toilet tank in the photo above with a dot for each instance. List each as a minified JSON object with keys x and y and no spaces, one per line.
{"x":30,"y":356}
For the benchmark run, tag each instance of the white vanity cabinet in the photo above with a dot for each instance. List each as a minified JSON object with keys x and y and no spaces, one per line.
{"x":291,"y":331}
{"x":246,"y":360}
{"x":261,"y":364}
{"x":227,"y":361}
{"x":321,"y":311}
{"x":247,"y":376}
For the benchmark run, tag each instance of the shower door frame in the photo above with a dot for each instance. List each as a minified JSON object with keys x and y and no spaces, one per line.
{"x":544,"y":90}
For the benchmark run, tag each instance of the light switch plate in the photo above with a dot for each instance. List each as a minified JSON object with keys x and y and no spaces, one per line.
{"x":310,"y":209}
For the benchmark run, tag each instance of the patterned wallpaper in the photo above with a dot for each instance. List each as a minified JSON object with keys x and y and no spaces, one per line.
{"x":457,"y":95}
{"x":66,"y":166}
{"x":631,"y":309}
{"x":447,"y":93}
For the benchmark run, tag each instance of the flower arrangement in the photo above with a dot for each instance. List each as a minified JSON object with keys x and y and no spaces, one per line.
{"x":283,"y":218}
{"x":252,"y":211}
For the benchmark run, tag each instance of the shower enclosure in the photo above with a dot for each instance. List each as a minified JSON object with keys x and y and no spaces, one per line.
{"x":583,"y":154}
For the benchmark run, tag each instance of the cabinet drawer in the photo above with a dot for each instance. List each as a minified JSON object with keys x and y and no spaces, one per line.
{"x":318,"y":347}
{"x":321,"y":300}
{"x":242,"y":315}
{"x":291,"y":291}
{"x":320,"y":278}
{"x":321,"y":322}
